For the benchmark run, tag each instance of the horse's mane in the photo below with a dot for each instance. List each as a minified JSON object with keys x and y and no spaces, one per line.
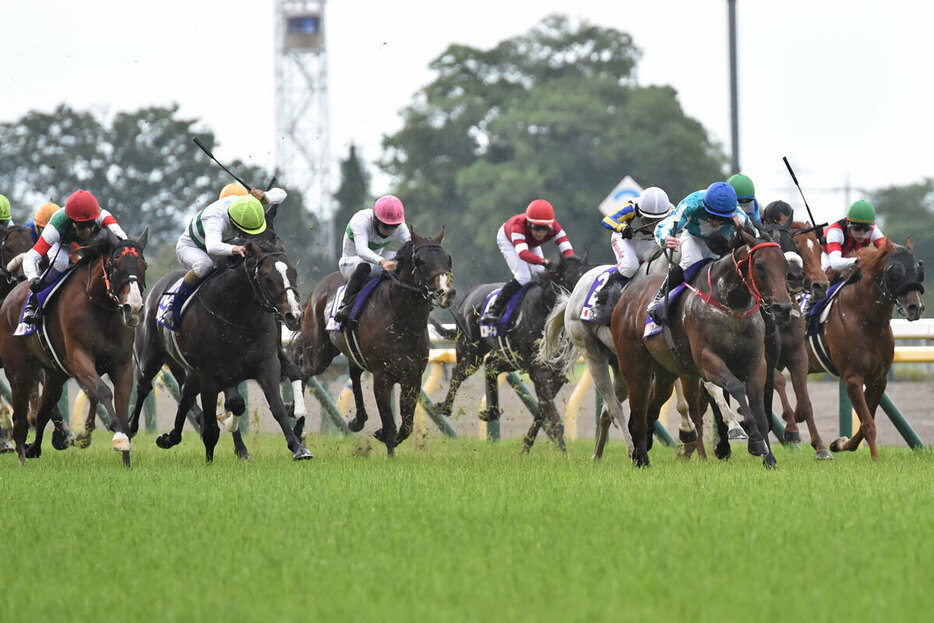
{"x":871,"y":260}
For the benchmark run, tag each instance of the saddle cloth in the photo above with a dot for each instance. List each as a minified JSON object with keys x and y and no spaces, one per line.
{"x":43,"y":298}
{"x":500,"y":328}
{"x":164,"y":309}
{"x":590,"y":312}
{"x":335,"y":304}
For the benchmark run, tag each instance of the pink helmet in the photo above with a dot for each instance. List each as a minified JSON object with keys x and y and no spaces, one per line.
{"x":389,"y":210}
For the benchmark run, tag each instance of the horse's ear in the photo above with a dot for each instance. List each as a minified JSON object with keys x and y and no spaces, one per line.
{"x":143,"y":239}
{"x":585,"y":256}
{"x":414,"y":236}
{"x":908,"y":245}
{"x":440,"y":237}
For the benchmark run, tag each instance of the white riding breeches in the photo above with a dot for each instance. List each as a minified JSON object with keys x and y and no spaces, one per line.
{"x":693,"y":250}
{"x":630,"y":253}
{"x":521,"y":270}
{"x":193,"y":257}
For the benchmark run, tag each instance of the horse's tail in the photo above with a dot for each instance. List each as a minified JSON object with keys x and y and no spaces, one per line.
{"x":556,"y":349}
{"x":443,"y":331}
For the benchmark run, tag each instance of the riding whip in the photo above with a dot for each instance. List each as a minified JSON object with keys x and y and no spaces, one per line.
{"x":820,"y":232}
{"x":211,"y":156}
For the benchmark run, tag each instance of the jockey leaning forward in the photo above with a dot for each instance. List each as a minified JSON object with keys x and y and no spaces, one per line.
{"x":519,"y":240}
{"x":703,"y":217}
{"x":633,"y":238}
{"x":66,"y":231}
{"x":41,"y":219}
{"x":365,"y":250}
{"x":746,"y":196}
{"x":6,"y":213}
{"x":204,"y":238}
{"x":855,"y":231}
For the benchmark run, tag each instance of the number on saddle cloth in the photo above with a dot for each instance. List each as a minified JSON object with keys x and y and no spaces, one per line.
{"x":497,"y":329}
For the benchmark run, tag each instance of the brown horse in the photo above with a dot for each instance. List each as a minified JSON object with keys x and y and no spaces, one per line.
{"x":718,"y":335}
{"x":90,"y":324}
{"x":858,"y":334}
{"x":391,"y":333}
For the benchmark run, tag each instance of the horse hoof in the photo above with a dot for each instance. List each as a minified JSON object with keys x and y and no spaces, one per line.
{"x":769,"y":461}
{"x":737,"y":434}
{"x":355,"y":425}
{"x":687,"y":436}
{"x":792,"y":436}
{"x":380,"y":436}
{"x":640,"y":459}
{"x":83,"y":440}
{"x":823,"y":455}
{"x":723,"y":454}
{"x":837,"y":444}
{"x":302,"y":454}
{"x":121,"y":442}
{"x":757,"y":447}
{"x":165,"y":441}
{"x":6,"y":446}
{"x":33,"y":451}
{"x":62,"y":440}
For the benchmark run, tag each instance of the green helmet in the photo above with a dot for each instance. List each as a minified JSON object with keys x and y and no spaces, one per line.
{"x":861,"y":212}
{"x":743,"y":186}
{"x":5,"y":213}
{"x":247,"y":215}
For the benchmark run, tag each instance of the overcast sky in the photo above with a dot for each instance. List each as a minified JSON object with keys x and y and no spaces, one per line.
{"x":843,"y":88}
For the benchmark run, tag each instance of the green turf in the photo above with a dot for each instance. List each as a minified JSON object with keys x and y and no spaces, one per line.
{"x":461,"y":530}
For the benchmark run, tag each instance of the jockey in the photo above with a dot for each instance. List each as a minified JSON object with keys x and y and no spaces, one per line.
{"x":81,"y":219}
{"x":43,"y":215}
{"x":233,"y":188}
{"x":204,"y":237}
{"x":778,"y":213}
{"x":366,"y":238}
{"x":701,"y":217}
{"x":6,"y":215}
{"x":519,"y":240}
{"x":746,"y":196}
{"x":855,"y":231}
{"x":633,"y":238}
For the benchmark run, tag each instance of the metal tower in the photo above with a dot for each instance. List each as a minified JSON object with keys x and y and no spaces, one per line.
{"x":303,"y":137}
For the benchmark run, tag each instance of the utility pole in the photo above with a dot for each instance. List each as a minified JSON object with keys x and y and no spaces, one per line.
{"x":734,"y":100}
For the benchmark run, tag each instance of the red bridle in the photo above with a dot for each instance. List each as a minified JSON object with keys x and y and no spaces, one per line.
{"x":749,"y":282}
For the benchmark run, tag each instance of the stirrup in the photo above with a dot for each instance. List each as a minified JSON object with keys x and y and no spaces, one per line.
{"x":30,"y":315}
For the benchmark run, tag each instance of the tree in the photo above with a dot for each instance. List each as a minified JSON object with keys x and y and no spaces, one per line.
{"x":352,"y":194}
{"x":554,"y":113}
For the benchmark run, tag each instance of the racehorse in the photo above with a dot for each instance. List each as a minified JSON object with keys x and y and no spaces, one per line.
{"x":717,"y":334}
{"x":518,"y":350}
{"x":857,"y":334}
{"x":389,"y":337}
{"x":90,"y":325}
{"x":16,"y":240}
{"x":228,"y":334}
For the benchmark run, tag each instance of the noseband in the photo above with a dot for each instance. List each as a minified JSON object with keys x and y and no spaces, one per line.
{"x":267,"y":301}
{"x":749,"y":282}
{"x":421,"y":288}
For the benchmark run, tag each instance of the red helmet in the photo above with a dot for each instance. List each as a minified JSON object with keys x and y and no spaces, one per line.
{"x":388,"y":210}
{"x":540,"y":212}
{"x":82,"y":206}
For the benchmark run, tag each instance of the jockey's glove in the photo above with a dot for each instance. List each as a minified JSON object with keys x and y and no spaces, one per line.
{"x":36,"y":285}
{"x":626,"y":232}
{"x":546,"y":263}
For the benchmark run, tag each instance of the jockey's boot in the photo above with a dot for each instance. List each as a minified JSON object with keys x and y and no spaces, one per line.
{"x":31,"y":309}
{"x":674,"y":279}
{"x":185,"y":289}
{"x":499,"y":304}
{"x":354,"y":285}
{"x":604,"y":294}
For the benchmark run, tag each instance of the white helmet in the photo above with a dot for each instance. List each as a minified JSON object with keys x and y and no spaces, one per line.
{"x":653,"y":203}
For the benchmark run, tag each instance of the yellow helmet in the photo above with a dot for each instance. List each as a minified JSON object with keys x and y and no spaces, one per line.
{"x":44,"y":213}
{"x":233,"y":188}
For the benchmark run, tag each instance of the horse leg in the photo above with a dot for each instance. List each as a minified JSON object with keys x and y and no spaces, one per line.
{"x":547,"y":385}
{"x":687,"y":434}
{"x":639,"y":394}
{"x":83,"y":438}
{"x":147,"y":372}
{"x":611,"y":390}
{"x":62,"y":435}
{"x":603,"y":433}
{"x":234,"y":403}
{"x":189,"y":391}
{"x":798,"y":367}
{"x":356,"y":424}
{"x":408,"y":398}
{"x":85,"y":372}
{"x":492,"y":413}
{"x":696,"y":401}
{"x":722,"y":450}
{"x":269,"y":383}
{"x":789,"y":416}
{"x":21,"y":389}
{"x":51,"y":392}
{"x":467,"y":363}
{"x":730,"y":417}
{"x":382,"y":389}
{"x":865,"y":404}
{"x":211,"y":431}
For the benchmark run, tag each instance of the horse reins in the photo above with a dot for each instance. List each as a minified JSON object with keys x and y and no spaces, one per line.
{"x":106,"y":267}
{"x":267,"y":302}
{"x":749,"y":282}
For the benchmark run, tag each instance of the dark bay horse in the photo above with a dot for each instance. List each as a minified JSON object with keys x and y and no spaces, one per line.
{"x":228,"y":334}
{"x":90,"y":324}
{"x":858,"y":333}
{"x":718,"y":334}
{"x":519,"y":350}
{"x":391,"y":333}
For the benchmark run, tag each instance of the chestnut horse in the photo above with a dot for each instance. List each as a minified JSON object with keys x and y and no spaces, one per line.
{"x":858,"y":332}
{"x":718,"y":335}
{"x":90,"y":324}
{"x":391,"y":333}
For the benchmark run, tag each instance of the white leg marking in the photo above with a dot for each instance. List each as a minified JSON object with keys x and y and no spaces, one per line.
{"x":299,"y":399}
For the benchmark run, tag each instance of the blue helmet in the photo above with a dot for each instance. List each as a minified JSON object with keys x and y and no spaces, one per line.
{"x":720,"y":200}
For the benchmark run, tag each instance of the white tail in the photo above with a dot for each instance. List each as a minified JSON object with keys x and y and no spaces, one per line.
{"x":556,"y":349}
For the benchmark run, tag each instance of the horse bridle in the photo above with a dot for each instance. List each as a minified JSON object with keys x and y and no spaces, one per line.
{"x":4,"y":273}
{"x":432,"y":296}
{"x":267,"y":302}
{"x":750,"y":283}
{"x":128,"y":247}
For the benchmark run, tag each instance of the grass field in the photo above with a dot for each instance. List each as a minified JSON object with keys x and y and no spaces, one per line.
{"x":461,"y":530}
